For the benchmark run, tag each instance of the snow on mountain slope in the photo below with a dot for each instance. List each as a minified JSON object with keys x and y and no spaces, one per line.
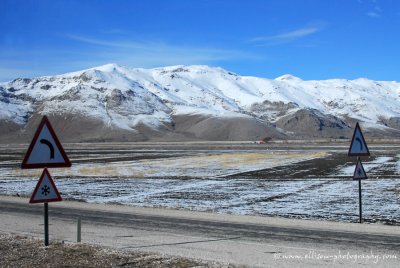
{"x":124,"y":98}
{"x":361,"y":99}
{"x":103,"y":93}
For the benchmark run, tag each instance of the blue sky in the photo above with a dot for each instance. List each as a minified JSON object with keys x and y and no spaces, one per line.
{"x":311,"y":39}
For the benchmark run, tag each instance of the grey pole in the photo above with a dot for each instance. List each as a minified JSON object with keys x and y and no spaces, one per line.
{"x":78,"y":233}
{"x":359,"y":195}
{"x":359,"y":198}
{"x":46,"y":224}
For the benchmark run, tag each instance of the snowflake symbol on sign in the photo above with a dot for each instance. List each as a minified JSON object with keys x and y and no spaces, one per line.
{"x":45,"y":190}
{"x":359,"y":172}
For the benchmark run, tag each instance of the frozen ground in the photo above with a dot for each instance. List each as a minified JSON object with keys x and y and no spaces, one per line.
{"x":308,"y":183}
{"x":202,"y":164}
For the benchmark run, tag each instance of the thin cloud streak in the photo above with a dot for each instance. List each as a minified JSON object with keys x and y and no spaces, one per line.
{"x":373,"y":15}
{"x":104,"y":43}
{"x":164,"y":51}
{"x":94,"y":52}
{"x":285,"y":37}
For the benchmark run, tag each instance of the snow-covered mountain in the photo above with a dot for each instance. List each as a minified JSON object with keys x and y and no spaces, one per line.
{"x":111,"y":102}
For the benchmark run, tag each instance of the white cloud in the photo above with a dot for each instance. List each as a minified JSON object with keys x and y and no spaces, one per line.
{"x":373,"y":8}
{"x":373,"y":14}
{"x":92,"y":52}
{"x":285,"y":37}
{"x":149,"y":53}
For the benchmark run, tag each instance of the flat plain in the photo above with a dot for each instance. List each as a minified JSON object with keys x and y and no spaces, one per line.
{"x":305,"y":180}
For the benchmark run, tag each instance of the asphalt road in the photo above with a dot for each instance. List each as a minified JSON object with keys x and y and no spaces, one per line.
{"x":249,"y":240}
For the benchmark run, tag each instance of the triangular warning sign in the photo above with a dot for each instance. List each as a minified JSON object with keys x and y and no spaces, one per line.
{"x":45,"y":191}
{"x":45,"y":149}
{"x":359,"y":172}
{"x":358,"y":146}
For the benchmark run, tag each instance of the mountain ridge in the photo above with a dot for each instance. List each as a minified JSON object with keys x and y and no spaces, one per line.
{"x":196,"y":102}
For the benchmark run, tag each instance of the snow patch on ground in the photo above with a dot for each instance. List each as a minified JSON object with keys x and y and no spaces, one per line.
{"x":313,"y":198}
{"x":348,"y":170}
{"x":194,"y":182}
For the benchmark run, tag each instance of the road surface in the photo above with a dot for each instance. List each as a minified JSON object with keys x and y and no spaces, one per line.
{"x":242,"y":240}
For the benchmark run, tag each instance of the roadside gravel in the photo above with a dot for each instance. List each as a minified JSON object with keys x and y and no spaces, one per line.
{"x":26,"y":252}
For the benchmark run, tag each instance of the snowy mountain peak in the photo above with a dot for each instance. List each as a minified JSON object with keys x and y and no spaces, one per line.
{"x":110,"y":67}
{"x":129,"y":98}
{"x":288,"y":77}
{"x":95,"y":71}
{"x":194,"y":69}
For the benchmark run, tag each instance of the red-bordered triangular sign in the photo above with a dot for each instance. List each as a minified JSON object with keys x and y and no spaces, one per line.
{"x":358,"y":146}
{"x":359,"y":172}
{"x":45,"y":149}
{"x":45,"y":190}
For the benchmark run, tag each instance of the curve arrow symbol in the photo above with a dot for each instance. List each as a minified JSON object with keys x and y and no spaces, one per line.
{"x":50,"y":145}
{"x":361,"y":143}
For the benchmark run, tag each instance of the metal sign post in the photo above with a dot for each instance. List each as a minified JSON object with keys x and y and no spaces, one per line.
{"x":359,"y":174}
{"x":46,"y":224}
{"x":358,"y":147}
{"x":45,"y":151}
{"x":359,"y":195}
{"x":359,"y":198}
{"x":45,"y":192}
